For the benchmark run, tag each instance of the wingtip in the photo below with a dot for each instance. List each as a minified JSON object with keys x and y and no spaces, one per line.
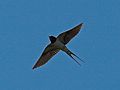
{"x":34,"y":67}
{"x":81,"y":24}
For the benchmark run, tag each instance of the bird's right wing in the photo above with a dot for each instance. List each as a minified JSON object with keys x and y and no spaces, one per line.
{"x":66,"y":36}
{"x":47,"y":54}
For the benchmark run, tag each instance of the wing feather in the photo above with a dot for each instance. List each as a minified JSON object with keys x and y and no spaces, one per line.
{"x":47,"y":54}
{"x":65,"y":37}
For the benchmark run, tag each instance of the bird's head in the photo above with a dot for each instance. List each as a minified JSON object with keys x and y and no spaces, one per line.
{"x":52,"y":39}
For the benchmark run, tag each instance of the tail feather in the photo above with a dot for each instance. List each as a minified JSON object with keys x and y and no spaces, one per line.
{"x":78,"y":57}
{"x":74,"y":59}
{"x":70,"y":54}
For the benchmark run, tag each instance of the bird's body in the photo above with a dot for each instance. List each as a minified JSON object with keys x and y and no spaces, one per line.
{"x":57,"y":44}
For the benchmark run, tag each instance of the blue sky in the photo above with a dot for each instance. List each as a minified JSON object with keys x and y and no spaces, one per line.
{"x":24,"y":29}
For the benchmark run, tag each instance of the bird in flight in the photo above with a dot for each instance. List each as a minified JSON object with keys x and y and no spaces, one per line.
{"x":59,"y":43}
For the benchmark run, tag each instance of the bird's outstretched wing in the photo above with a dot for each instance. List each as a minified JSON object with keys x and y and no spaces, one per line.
{"x":47,"y":54}
{"x":65,"y":37}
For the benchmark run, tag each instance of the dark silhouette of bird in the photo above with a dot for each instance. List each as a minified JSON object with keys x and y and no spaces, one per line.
{"x":59,"y":43}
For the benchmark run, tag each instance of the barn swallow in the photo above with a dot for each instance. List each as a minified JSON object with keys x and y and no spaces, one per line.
{"x":59,"y":43}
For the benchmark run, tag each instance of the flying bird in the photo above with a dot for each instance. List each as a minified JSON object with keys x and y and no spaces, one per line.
{"x":59,"y":43}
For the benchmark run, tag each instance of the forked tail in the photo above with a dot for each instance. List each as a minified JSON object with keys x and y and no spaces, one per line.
{"x":70,"y":54}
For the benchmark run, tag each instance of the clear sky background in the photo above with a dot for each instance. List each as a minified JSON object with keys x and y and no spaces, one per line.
{"x":24,"y":29}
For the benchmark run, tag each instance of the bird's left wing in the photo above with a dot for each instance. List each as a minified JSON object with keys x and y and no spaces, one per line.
{"x":47,"y":54}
